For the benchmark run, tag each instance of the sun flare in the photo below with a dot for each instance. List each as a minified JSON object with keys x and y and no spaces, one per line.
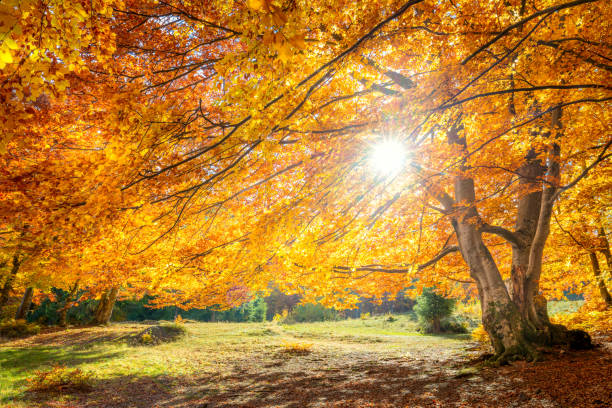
{"x":388,"y":157}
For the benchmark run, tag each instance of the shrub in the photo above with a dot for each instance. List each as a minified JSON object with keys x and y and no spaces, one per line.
{"x":480,"y":335}
{"x":297,"y":348}
{"x":18,"y":328}
{"x":452,"y":325}
{"x":432,"y":309}
{"x":310,"y":312}
{"x":280,"y":317}
{"x":158,"y":334}
{"x":59,"y":379}
{"x":591,"y":317}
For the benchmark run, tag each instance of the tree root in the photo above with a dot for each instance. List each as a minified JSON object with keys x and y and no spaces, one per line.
{"x":523,"y":351}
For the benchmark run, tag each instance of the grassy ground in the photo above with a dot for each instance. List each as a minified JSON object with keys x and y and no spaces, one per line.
{"x":350,"y":363}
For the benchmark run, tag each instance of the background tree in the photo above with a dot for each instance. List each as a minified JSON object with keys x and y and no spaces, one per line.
{"x":432,"y":308}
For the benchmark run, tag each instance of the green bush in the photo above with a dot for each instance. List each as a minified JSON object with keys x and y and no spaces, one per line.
{"x":311,"y":312}
{"x":18,"y":328}
{"x":432,"y":309}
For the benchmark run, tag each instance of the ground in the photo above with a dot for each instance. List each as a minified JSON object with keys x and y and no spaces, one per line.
{"x":353,"y":363}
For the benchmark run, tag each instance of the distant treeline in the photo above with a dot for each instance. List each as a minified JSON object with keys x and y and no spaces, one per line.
{"x":257,"y":310}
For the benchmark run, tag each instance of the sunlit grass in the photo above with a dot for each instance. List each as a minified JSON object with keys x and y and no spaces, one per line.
{"x":211,"y":348}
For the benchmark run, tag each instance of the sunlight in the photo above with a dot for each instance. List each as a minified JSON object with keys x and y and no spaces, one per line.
{"x":388,"y":157}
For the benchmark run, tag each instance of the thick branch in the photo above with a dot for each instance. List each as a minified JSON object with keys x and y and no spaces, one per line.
{"x":508,"y":235}
{"x":385,"y":269}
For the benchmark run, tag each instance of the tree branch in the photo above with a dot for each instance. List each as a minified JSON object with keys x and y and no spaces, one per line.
{"x":508,"y":235}
{"x":523,"y":21}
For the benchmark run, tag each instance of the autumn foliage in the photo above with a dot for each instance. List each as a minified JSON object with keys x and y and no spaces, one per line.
{"x":200,"y":151}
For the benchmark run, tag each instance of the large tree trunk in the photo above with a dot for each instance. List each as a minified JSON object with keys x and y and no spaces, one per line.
{"x":500,"y":316}
{"x":26,"y":303}
{"x":8,"y":283}
{"x":104,"y":310}
{"x":516,"y":323}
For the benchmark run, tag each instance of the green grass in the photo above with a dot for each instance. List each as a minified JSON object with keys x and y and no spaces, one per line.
{"x":564,"y":306}
{"x":208,"y":348}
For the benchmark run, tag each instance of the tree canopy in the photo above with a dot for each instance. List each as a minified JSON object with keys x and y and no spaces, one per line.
{"x":198,"y":151}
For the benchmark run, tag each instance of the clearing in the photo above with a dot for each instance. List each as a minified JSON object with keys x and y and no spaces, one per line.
{"x":351,"y":363}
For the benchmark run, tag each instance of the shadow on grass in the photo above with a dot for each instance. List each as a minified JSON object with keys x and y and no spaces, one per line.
{"x":377,"y":384}
{"x":390,"y":383}
{"x":27,"y":359}
{"x":74,"y":336}
{"x":18,"y":364}
{"x":395,"y":382}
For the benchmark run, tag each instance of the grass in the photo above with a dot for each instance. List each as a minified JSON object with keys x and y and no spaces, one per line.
{"x":564,"y":306}
{"x":208,"y":348}
{"x":216,"y":359}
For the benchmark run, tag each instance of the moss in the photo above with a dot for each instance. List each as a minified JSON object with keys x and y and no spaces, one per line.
{"x":505,"y":325}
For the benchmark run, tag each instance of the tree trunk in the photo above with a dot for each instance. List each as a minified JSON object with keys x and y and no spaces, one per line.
{"x":516,"y":323}
{"x":603,"y":290}
{"x":67,"y":305}
{"x":104,"y":310}
{"x":605,"y":246}
{"x":26,"y":303}
{"x":528,"y":211}
{"x":8,"y":283}
{"x":436,"y":326}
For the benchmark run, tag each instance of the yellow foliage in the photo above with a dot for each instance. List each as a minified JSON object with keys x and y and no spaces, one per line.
{"x":146,"y":339}
{"x":591,"y":317}
{"x":480,"y":335}
{"x":280,"y":317}
{"x":297,"y":348}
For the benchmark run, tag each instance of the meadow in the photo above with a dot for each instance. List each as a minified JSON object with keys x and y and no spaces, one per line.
{"x":380,"y":361}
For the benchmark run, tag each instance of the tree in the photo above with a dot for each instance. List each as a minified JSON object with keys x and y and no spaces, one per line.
{"x":432,"y":308}
{"x":239,"y":137}
{"x":283,"y":137}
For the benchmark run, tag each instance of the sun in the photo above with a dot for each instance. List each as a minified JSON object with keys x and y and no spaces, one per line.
{"x":388,"y":157}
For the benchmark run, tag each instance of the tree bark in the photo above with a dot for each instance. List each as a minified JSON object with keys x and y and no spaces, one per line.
{"x":104,"y":310}
{"x":528,"y":211}
{"x":500,"y":315}
{"x":26,"y":303}
{"x":436,"y":326}
{"x":8,"y":283}
{"x":67,"y":305}
{"x":516,"y":320}
{"x":603,"y":290}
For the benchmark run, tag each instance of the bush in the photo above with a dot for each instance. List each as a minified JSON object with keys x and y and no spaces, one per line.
{"x":59,"y":379}
{"x":18,"y":328}
{"x":298,"y":349}
{"x":452,"y":325}
{"x":8,"y":311}
{"x":432,"y":309}
{"x":480,"y":335}
{"x":158,"y":334}
{"x":310,"y":312}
